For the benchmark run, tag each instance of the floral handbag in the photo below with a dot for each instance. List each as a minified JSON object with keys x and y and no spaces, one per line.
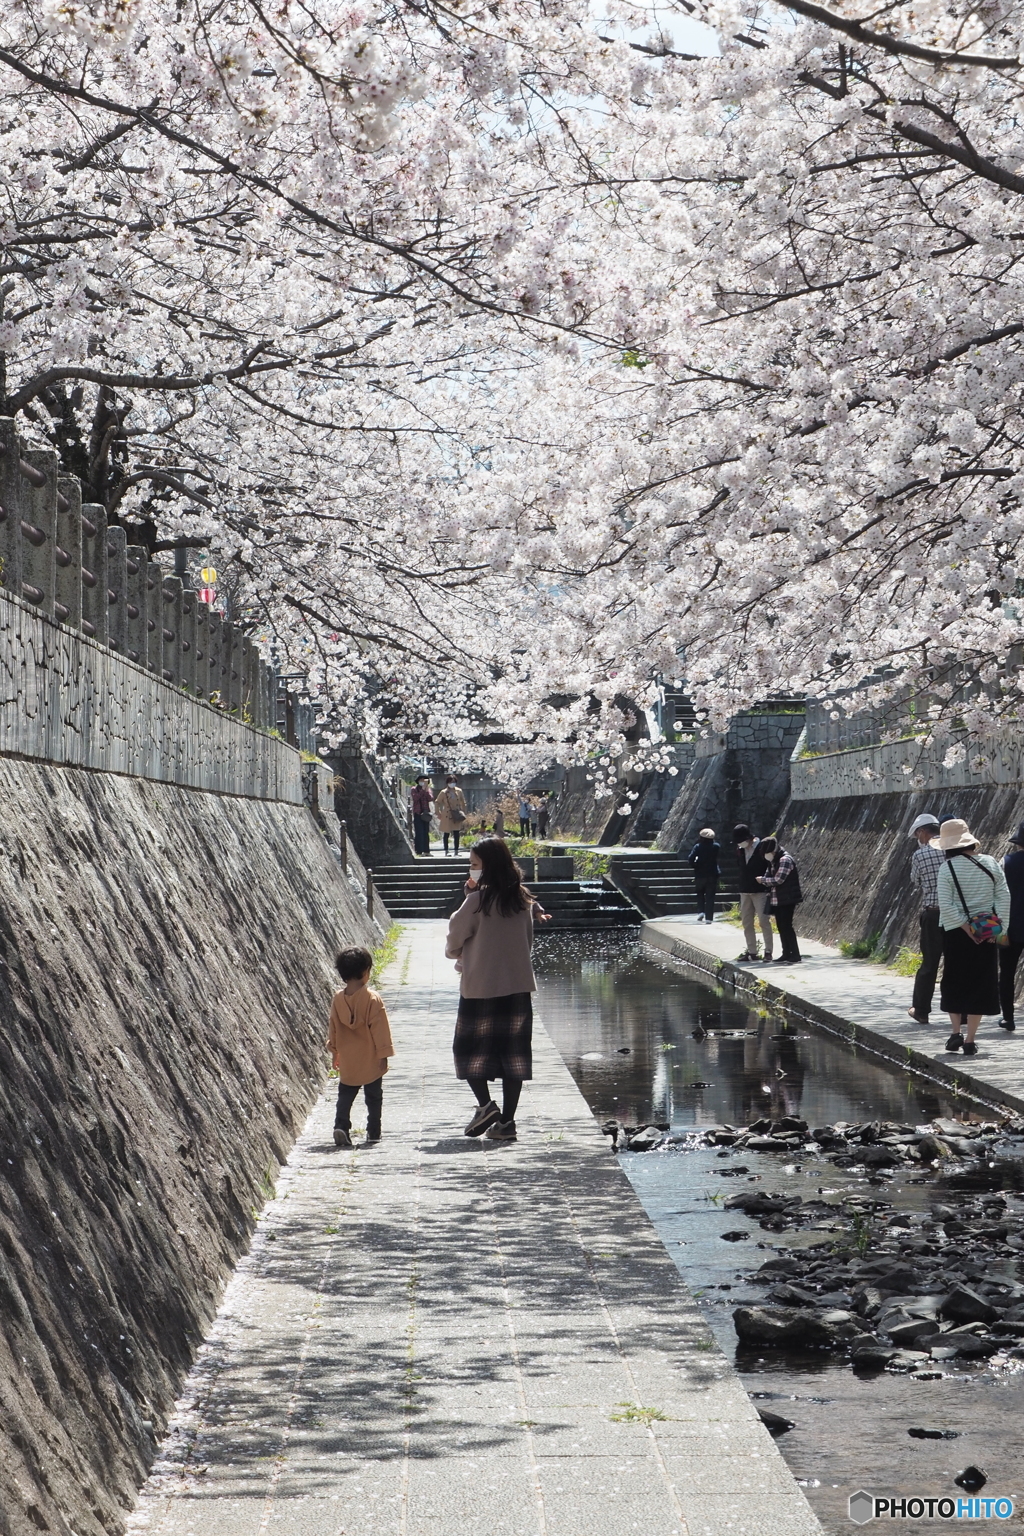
{"x":985,"y":926}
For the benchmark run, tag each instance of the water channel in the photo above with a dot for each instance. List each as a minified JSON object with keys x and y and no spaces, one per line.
{"x":648,"y":1044}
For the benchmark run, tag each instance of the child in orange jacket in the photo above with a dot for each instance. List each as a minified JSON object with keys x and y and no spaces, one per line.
{"x":359,"y":1039}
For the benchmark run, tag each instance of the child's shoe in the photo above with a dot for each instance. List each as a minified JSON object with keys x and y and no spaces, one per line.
{"x":485,"y":1114}
{"x":341,"y":1137}
{"x":502,"y":1130}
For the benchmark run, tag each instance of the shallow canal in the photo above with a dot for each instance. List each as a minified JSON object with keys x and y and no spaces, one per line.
{"x":646,"y":1044}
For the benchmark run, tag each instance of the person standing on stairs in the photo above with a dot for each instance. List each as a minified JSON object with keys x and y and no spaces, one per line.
{"x":703,"y":861}
{"x":450,"y":806}
{"x":782,"y":881}
{"x":753,"y":897}
{"x":490,"y":938}
{"x":422,"y":800}
{"x":1010,"y":953}
{"x":928,"y":859}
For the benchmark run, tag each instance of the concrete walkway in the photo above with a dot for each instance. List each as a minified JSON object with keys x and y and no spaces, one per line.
{"x":446,"y":1337}
{"x":864,"y":1002}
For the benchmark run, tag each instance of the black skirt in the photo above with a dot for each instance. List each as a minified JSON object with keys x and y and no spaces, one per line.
{"x":970,"y":974}
{"x":494,"y":1036}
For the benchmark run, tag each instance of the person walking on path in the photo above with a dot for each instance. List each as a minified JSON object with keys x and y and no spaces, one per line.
{"x":928,"y":859}
{"x":359,"y":1040}
{"x":422,"y":800}
{"x":1010,"y":953}
{"x":970,"y":886}
{"x":704,"y":862}
{"x":524,"y":815}
{"x":782,"y":881}
{"x":450,"y":806}
{"x":490,"y":938}
{"x":753,"y":897}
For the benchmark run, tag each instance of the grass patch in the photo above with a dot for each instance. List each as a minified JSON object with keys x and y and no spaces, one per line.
{"x":387,"y":950}
{"x":589,"y":864}
{"x":731,"y":915}
{"x":907,"y":961}
{"x":871,"y":948}
{"x":630,"y":1413}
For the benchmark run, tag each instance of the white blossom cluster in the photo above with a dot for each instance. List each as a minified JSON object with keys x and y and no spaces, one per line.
{"x":510,"y":358}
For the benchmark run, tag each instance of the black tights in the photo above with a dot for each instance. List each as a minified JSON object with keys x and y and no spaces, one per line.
{"x":456,"y":836}
{"x":511,"y":1088}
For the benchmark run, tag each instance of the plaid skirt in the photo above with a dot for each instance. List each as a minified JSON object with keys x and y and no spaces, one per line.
{"x":493,"y":1036}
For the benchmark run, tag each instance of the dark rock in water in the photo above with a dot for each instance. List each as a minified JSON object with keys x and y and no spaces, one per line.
{"x":777,"y":1269}
{"x":774,"y":1423}
{"x":756,"y":1203}
{"x":971,"y":1479}
{"x":734,"y":1237}
{"x":786,"y":1327}
{"x":760,"y":1127}
{"x":952,"y":1127}
{"x":963,"y":1305}
{"x":896,"y":1277}
{"x":793,"y":1296}
{"x":933,"y":1434}
{"x":872,"y":1356}
{"x":644,"y":1140}
{"x":930,"y":1148}
{"x":773,"y":1144}
{"x":909,"y":1332}
{"x":879,"y":1157}
{"x":624,"y":1050}
{"x":790,"y":1123}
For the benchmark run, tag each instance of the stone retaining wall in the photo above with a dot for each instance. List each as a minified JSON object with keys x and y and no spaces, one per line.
{"x":67,"y":699}
{"x":902,"y":766}
{"x":165,"y":973}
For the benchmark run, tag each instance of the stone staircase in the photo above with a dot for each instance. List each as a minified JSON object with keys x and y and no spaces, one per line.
{"x":661,"y":884}
{"x":434,"y":888}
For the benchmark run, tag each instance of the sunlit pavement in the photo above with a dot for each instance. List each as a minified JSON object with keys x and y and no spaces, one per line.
{"x":441,"y":1336}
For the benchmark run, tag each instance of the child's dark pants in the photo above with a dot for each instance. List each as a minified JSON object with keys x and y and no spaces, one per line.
{"x":373,"y":1093}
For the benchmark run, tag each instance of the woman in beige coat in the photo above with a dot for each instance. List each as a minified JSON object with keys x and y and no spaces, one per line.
{"x":450,"y":809}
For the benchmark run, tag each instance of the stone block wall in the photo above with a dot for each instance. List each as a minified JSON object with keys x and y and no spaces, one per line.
{"x":901,"y":766}
{"x":66,"y":698}
{"x":165,"y":973}
{"x":739,"y":775}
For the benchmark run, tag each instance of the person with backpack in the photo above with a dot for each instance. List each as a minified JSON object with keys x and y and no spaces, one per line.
{"x":974,"y":912}
{"x":782,"y":881}
{"x":753,"y":897}
{"x":703,"y":861}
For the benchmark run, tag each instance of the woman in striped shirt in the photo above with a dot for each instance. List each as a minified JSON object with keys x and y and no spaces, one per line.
{"x":968,"y":885}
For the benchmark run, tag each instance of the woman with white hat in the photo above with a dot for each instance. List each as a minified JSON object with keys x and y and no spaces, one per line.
{"x":974,"y":910}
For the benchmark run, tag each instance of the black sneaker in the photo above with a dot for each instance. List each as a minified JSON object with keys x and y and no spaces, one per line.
{"x":970,"y":1049}
{"x":1007,"y":1024}
{"x":341,"y":1137}
{"x":502,"y":1130}
{"x":954,"y":1042}
{"x":485,"y":1115}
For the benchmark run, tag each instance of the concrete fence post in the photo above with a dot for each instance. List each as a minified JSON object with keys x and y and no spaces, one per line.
{"x":136,"y":642}
{"x":189,"y":638}
{"x":171,"y":593}
{"x":68,"y":552}
{"x":39,"y":529}
{"x":231,"y":657}
{"x":215,"y":635}
{"x":95,"y":581}
{"x":154,"y":617}
{"x":117,"y":591}
{"x":12,"y":502}
{"x":251,"y":691}
{"x":369,"y":893}
{"x":204,"y":619}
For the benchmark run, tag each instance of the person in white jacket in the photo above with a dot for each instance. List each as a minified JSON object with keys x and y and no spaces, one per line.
{"x":970,"y":885}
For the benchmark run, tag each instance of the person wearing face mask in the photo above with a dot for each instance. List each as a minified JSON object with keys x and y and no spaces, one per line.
{"x":490,"y":938}
{"x":450,"y":806}
{"x":782,"y":880}
{"x":753,"y":897}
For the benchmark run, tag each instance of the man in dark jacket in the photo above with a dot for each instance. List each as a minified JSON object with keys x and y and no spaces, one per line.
{"x":753,"y":897}
{"x":1009,"y":954}
{"x":704,"y":862}
{"x":782,"y":880}
{"x":422,"y":800}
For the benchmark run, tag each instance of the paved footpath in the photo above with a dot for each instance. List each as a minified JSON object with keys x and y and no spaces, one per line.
{"x":446,"y":1337}
{"x":865,"y":1003}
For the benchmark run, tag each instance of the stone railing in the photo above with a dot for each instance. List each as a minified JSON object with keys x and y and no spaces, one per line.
{"x":60,"y":556}
{"x":906,"y":766}
{"x":66,"y":699}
